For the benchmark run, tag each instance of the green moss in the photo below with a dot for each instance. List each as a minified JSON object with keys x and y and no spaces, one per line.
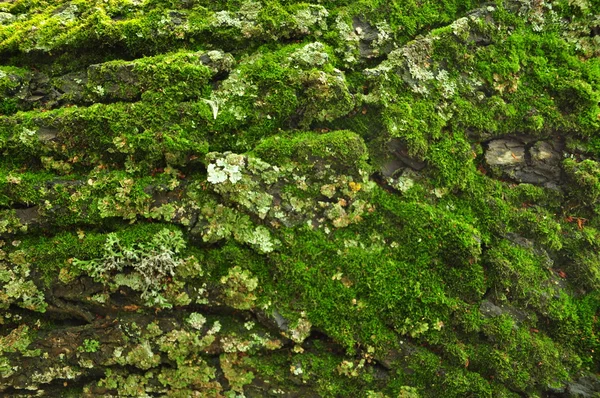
{"x":178,"y":76}
{"x":90,"y":346}
{"x":23,"y":188}
{"x":224,"y":214}
{"x":13,"y":82}
{"x":131,"y":133}
{"x":586,"y":177}
{"x":340,"y":147}
{"x":581,"y":248}
{"x":525,"y":275}
{"x":49,"y":254}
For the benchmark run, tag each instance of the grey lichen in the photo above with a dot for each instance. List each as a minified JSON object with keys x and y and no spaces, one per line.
{"x":151,"y":263}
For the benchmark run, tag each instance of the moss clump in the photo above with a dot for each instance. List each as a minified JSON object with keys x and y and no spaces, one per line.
{"x":342,"y":149}
{"x":585,"y":176}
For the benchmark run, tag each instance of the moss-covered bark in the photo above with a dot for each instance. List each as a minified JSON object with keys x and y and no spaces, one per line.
{"x":278,"y":198}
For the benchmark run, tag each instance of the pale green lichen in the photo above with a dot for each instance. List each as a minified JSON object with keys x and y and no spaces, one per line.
{"x":152,"y":263}
{"x":227,"y":169}
{"x":140,"y":356}
{"x":311,"y":55}
{"x":16,"y":285}
{"x":330,"y":183}
{"x":239,"y":286}
{"x":196,"y":320}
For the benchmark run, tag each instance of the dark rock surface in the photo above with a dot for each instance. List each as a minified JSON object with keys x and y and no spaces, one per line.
{"x":526,"y":160}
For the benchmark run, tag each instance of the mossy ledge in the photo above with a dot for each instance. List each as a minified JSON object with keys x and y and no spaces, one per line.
{"x":262,"y":198}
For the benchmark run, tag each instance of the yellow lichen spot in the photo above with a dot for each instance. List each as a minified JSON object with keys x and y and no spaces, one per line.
{"x":346,"y":282}
{"x":66,"y":276}
{"x":13,"y":179}
{"x":354,"y":186}
{"x":273,"y":344}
